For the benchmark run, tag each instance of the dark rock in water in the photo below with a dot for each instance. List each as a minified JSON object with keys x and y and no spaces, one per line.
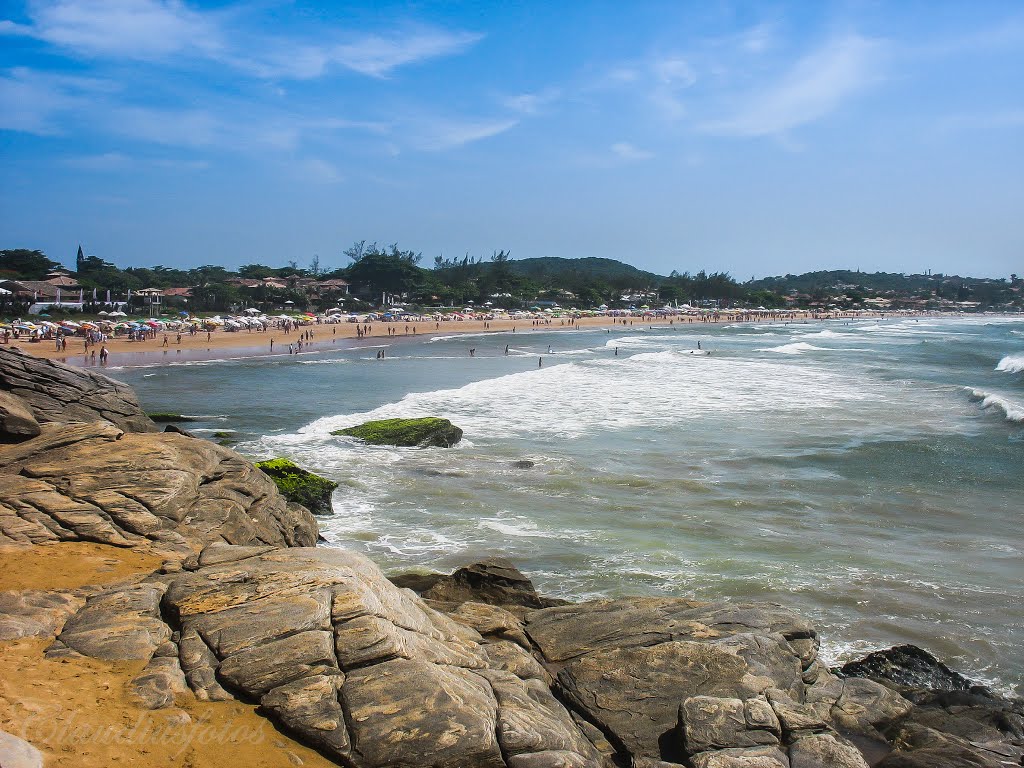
{"x":16,"y":420}
{"x":523,"y":464}
{"x":955,"y":723}
{"x":407,"y":433}
{"x":174,"y":428}
{"x":494,"y":581}
{"x":300,"y":485}
{"x":63,"y":393}
{"x":907,"y":666}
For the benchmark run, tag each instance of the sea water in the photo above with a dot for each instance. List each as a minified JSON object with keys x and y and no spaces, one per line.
{"x":869,"y":474}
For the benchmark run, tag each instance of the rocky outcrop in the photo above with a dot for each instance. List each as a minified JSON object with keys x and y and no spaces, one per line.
{"x":300,"y":485}
{"x":363,"y":670}
{"x":495,"y":581}
{"x":682,"y":681}
{"x":373,"y":676}
{"x":907,"y":666}
{"x":93,"y":482}
{"x":956,"y":723}
{"x":17,"y":421}
{"x":61,"y":393}
{"x":407,"y":433}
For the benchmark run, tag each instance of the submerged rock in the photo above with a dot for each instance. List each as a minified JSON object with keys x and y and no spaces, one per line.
{"x":300,"y":485}
{"x":407,"y":433}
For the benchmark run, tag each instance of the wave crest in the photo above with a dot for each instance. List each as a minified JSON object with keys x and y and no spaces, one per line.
{"x":990,"y":400}
{"x":1011,"y":364}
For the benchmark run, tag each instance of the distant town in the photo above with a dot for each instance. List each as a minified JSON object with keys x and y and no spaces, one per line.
{"x":32,"y":283}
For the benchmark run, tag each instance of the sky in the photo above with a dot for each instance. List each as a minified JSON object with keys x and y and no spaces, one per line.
{"x":756,"y":138}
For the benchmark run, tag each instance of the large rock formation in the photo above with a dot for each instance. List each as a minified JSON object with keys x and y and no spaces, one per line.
{"x":58,"y":392}
{"x":93,"y":468}
{"x":93,"y":482}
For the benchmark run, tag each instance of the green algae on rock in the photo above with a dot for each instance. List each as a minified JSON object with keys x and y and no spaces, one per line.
{"x":423,"y":432}
{"x":300,"y":485}
{"x":165,"y":418}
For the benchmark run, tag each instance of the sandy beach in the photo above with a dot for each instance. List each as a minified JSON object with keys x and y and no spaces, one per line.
{"x":218,"y":344}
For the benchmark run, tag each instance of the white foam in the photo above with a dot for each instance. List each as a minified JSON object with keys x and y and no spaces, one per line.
{"x":796,"y":348}
{"x":827,"y":334}
{"x":1012,"y":410}
{"x":1011,"y":364}
{"x":648,"y":389}
{"x":516,"y":527}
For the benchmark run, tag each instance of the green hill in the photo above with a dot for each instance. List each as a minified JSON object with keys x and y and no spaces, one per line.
{"x":555,"y":268}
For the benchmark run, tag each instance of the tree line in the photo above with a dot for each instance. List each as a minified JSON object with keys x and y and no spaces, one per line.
{"x":389,"y":273}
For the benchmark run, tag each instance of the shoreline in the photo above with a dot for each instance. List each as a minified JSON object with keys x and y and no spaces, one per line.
{"x":213,"y":346}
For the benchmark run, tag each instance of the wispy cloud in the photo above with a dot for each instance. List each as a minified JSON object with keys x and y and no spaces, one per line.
{"x":38,"y":102}
{"x":627,"y":151}
{"x":532,"y":103}
{"x":136,"y":29}
{"x":438,"y":135}
{"x":817,"y":85}
{"x":378,"y":56}
{"x":155,"y":30}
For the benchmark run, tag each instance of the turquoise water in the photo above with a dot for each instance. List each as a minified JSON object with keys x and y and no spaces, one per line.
{"x":869,"y":475}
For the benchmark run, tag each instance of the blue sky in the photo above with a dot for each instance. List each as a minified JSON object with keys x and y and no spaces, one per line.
{"x":757,"y":138}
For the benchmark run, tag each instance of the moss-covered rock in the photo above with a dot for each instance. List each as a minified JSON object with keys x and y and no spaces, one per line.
{"x":300,"y":485}
{"x":428,"y":431}
{"x":169,"y":417}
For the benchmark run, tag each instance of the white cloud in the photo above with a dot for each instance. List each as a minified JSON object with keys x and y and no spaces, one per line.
{"x":438,"y":135}
{"x":532,"y":103}
{"x":40,"y":102}
{"x":816,"y":86}
{"x":137,"y":29}
{"x":154,"y":30}
{"x":627,"y":151}
{"x":674,"y":71}
{"x":377,"y":56}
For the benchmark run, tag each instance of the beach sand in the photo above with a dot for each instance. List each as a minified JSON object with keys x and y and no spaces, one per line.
{"x":219,"y":344}
{"x":76,"y":710}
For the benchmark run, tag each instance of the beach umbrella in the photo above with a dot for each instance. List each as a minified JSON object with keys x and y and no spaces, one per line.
{"x":103,"y":312}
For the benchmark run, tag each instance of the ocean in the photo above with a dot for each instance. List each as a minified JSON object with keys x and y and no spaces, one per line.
{"x":869,"y":474}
